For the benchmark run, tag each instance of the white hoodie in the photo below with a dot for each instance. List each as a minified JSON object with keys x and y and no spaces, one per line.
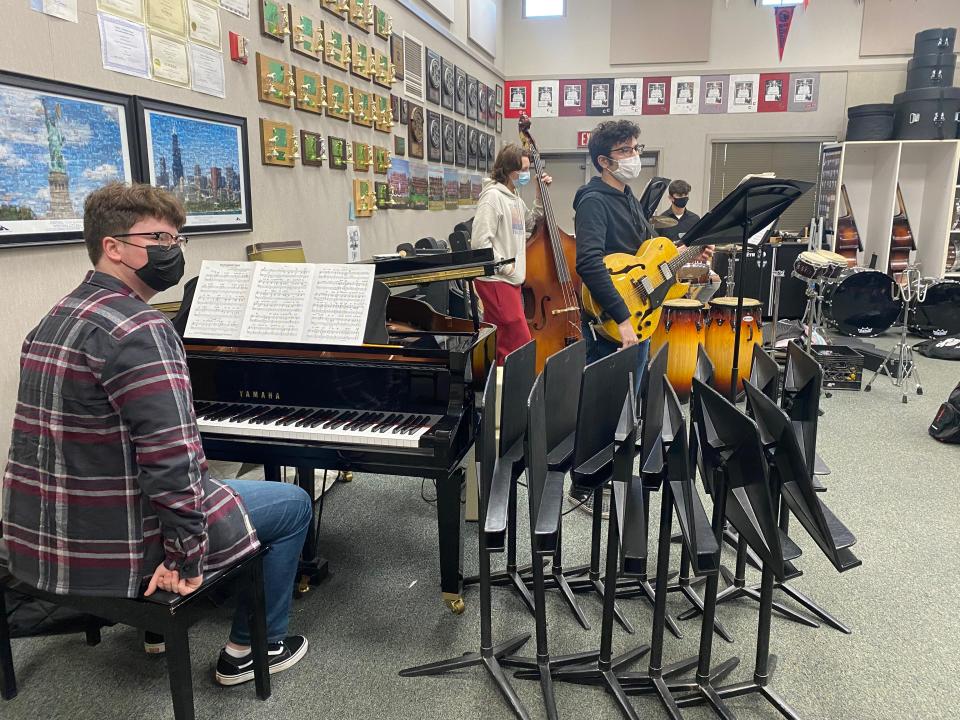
{"x":503,"y":222}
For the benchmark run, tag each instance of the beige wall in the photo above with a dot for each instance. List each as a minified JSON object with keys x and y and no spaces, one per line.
{"x":305,"y":204}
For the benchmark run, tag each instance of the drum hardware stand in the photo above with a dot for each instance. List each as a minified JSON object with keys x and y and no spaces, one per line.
{"x":912,"y":289}
{"x":777,"y":277}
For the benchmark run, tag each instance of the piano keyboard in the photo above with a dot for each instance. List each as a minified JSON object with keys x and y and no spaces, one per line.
{"x":322,"y":425}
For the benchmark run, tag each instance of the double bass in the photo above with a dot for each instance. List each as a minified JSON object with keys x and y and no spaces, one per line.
{"x":551,"y":300}
{"x":901,"y":240}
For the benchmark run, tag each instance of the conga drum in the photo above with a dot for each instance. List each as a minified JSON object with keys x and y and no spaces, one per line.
{"x":681,"y":328}
{"x":720,"y":334}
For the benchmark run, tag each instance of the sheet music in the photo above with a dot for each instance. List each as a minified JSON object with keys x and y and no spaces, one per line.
{"x":278,"y":301}
{"x":281,"y":302}
{"x":339,"y":304}
{"x":220,"y":300}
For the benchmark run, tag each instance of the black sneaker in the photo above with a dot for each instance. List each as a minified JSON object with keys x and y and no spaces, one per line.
{"x":153,"y":643}
{"x":280,"y":656}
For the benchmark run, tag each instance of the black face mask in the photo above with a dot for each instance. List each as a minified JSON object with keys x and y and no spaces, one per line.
{"x":164,"y":268}
{"x":680,"y":202}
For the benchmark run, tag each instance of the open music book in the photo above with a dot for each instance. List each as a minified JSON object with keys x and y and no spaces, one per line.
{"x":321,"y":303}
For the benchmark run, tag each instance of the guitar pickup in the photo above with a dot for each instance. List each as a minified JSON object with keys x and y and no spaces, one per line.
{"x":647,"y":285}
{"x":666,"y":271}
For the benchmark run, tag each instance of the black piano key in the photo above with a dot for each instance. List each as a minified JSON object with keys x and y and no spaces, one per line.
{"x":322,"y":418}
{"x":251,"y":411}
{"x":285,"y":418}
{"x":412,"y":425}
{"x":261,"y":411}
{"x":267,"y":417}
{"x":338,"y":417}
{"x":314,"y":418}
{"x":199,"y":406}
{"x":211,"y":409}
{"x":386,"y":422}
{"x":295,"y":416}
{"x":419,"y":423}
{"x":401,"y":426}
{"x":225,"y":412}
{"x":371,"y":421}
{"x":359,"y":422}
{"x":341,"y":420}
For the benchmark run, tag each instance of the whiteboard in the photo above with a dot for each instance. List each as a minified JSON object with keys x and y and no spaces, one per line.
{"x":482,"y":28}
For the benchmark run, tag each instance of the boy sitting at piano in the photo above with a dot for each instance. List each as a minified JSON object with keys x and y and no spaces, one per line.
{"x":106,"y":490}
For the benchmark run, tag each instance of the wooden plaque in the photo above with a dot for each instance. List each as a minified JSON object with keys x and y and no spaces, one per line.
{"x":361,"y":14}
{"x":340,"y":8}
{"x":275,"y":83}
{"x":274,"y":19}
{"x":360,"y":58}
{"x":382,"y":23}
{"x":364,"y":197}
{"x":336,"y":49}
{"x":362,"y":108}
{"x":277,"y":143}
{"x":384,"y":114}
{"x":381,"y":160}
{"x":362,"y":156}
{"x":337,"y":152}
{"x":306,"y":33}
{"x":313,"y":150}
{"x":311,"y":92}
{"x":338,"y":100}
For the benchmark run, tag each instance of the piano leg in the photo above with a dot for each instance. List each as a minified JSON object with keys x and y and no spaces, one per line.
{"x":450,"y":523}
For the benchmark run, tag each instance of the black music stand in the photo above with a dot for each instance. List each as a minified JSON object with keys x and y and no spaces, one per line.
{"x":652,"y":194}
{"x":605,"y":670}
{"x":790,"y":478}
{"x":494,"y":480}
{"x":751,"y":206}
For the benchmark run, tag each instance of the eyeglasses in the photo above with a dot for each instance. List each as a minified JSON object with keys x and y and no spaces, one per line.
{"x":630,"y":150}
{"x":164,"y":239}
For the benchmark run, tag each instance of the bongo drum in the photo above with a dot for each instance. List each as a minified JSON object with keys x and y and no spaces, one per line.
{"x":681,"y":328}
{"x":720,"y":334}
{"x":838,"y":263}
{"x":810,"y":265}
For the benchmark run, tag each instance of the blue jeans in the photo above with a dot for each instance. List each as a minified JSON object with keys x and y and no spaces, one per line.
{"x":599,"y":347}
{"x":281,"y":514}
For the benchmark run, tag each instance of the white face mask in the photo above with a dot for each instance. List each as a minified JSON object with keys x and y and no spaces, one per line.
{"x":628,"y":169}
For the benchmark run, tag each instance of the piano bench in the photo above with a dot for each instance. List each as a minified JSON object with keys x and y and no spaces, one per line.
{"x":165,"y":613}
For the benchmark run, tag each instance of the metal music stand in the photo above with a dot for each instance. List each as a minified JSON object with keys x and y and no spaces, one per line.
{"x":652,"y":195}
{"x":494,"y":480}
{"x":751,"y":206}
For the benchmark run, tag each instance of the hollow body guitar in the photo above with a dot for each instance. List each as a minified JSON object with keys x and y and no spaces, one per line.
{"x":644,"y":281}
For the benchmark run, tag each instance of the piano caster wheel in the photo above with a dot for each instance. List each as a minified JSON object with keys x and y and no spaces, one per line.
{"x":303,"y":585}
{"x":454,"y":603}
{"x":345,"y":476}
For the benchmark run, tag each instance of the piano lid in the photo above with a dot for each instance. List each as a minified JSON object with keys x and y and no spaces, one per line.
{"x":434,"y":267}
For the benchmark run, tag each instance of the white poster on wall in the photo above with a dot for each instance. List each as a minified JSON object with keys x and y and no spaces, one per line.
{"x":685,"y":95}
{"x":627,"y":96}
{"x":546,"y":98}
{"x":743,"y":93}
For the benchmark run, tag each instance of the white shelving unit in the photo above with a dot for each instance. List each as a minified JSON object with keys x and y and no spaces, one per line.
{"x":927,"y":171}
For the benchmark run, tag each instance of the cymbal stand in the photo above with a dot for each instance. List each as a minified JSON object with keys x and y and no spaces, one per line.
{"x":912,"y":289}
{"x":813,"y":315}
{"x":777,"y":277}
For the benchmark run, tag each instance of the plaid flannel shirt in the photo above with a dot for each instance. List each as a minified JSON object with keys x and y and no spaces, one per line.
{"x":106,"y":475}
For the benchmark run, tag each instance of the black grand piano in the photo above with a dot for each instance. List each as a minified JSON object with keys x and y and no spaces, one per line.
{"x":400,"y":404}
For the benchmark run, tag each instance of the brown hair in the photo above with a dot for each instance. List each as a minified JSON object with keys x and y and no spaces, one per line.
{"x":116,"y":207}
{"x":607,"y":135}
{"x":509,"y":159}
{"x":679,"y":187}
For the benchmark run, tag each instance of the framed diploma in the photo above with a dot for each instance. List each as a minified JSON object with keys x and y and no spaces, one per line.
{"x":167,"y":15}
{"x":170,"y":61}
{"x":81,"y":139}
{"x":204,"y":23}
{"x":202,"y":157}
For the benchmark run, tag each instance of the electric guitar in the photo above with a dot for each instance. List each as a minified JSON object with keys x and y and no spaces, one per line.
{"x":644,"y":281}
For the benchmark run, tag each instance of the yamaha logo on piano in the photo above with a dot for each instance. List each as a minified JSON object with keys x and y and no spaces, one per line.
{"x":260,"y":394}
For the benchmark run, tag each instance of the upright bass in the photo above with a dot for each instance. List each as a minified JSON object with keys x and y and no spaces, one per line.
{"x":551,"y":290}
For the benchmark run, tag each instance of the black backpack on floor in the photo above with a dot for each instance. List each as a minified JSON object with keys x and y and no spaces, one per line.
{"x":946,"y":425}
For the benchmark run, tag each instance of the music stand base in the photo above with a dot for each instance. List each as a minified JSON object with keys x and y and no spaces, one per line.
{"x":758,"y":685}
{"x":595,"y":584}
{"x":739,"y":590}
{"x":510,"y":579}
{"x":643,"y":588}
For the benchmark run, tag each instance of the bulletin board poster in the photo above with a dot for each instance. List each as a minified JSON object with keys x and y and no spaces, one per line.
{"x":517,"y":98}
{"x":573,"y":98}
{"x":656,"y":95}
{"x":600,"y":96}
{"x":713,"y":94}
{"x":774,"y":92}
{"x":803,"y":92}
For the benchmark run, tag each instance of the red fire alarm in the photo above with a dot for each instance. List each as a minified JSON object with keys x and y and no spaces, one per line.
{"x":238,"y":48}
{"x":583,"y":138}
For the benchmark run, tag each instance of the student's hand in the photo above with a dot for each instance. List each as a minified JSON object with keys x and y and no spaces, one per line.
{"x":188,"y":585}
{"x":547,"y":179}
{"x":628,"y":336}
{"x":163,"y":579}
{"x":707,"y":253}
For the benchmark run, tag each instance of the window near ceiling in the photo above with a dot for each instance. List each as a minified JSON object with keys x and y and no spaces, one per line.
{"x":781,"y":2}
{"x":544,"y":8}
{"x":796,"y":160}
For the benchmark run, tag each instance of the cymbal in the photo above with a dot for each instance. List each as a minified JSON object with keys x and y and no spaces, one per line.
{"x":729,"y":248}
{"x":661,"y":222}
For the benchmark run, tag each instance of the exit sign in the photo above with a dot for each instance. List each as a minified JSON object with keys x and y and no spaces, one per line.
{"x":583,"y":137}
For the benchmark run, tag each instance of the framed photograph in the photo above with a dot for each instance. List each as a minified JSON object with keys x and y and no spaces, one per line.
{"x":399,"y":146}
{"x":482,"y":152}
{"x":472,"y":147}
{"x":471,"y":98}
{"x":460,"y":91}
{"x":434,"y":76}
{"x":491,"y":151}
{"x":491,"y":108}
{"x":396,"y":54}
{"x":461,"y":158}
{"x":58,"y":143}
{"x":499,"y":97}
{"x":434,"y":136}
{"x":202,"y":157}
{"x":481,"y":103}
{"x":404,"y":111}
{"x":313,"y":149}
{"x":338,"y":152}
{"x":449,"y":140}
{"x":499,"y":122}
{"x":447,"y":74}
{"x":415,"y":131}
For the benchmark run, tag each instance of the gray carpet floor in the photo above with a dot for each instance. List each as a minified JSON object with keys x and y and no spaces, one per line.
{"x":380,"y":610}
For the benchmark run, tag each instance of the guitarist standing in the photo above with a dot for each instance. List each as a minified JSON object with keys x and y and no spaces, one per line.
{"x":608,"y":219}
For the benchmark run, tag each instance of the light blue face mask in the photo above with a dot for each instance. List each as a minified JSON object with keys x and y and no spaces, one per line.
{"x":522,"y":179}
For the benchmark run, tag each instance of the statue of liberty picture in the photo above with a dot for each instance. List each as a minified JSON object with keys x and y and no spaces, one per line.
{"x":55,"y":149}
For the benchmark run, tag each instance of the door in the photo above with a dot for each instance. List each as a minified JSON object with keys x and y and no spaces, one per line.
{"x":569,"y":172}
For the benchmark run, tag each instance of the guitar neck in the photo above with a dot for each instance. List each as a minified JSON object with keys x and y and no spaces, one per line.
{"x":684,"y":257}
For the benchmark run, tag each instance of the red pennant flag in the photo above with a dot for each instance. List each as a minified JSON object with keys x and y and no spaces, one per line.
{"x":783,"y":17}
{"x":806,"y":4}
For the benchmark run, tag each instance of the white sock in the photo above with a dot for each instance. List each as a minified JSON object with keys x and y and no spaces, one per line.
{"x":237,"y":653}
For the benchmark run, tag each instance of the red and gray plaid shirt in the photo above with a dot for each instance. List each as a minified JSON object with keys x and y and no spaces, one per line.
{"x":106,"y":475}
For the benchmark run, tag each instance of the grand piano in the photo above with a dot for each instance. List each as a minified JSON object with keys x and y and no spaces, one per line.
{"x":402,"y":403}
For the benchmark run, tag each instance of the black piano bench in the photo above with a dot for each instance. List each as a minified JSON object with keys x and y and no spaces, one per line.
{"x":163,"y":612}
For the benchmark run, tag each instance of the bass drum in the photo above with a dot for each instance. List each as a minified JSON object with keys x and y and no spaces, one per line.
{"x":860,"y":302}
{"x":939,"y":313}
